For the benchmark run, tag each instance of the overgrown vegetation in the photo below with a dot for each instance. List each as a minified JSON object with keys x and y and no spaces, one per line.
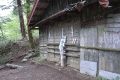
{"x":6,"y":58}
{"x":102,"y":78}
{"x":10,"y":29}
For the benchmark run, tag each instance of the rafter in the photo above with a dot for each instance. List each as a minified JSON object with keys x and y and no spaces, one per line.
{"x":41,"y":9}
{"x":45,"y":1}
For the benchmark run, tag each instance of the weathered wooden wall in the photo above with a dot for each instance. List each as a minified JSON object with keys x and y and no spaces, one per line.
{"x":71,"y":30}
{"x":43,"y":40}
{"x":105,"y":36}
{"x":93,"y":40}
{"x":88,"y":38}
{"x":58,"y":6}
{"x":109,"y":38}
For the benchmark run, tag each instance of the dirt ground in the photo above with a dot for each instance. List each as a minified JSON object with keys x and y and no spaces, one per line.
{"x":44,"y":71}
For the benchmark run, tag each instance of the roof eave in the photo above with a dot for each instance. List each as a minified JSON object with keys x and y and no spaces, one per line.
{"x":32,"y":12}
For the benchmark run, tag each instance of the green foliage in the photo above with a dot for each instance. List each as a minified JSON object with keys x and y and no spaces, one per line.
{"x":6,"y":58}
{"x":35,"y":54}
{"x":3,"y":20}
{"x":2,"y":49}
{"x":10,"y":25}
{"x":25,"y":6}
{"x":101,"y":78}
{"x":87,"y":73}
{"x":117,"y":78}
{"x":35,"y":34}
{"x":12,"y":29}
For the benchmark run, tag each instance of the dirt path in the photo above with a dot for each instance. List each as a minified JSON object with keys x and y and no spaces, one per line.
{"x":44,"y":71}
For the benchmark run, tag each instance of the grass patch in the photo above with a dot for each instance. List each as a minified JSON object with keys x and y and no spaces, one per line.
{"x":100,"y":78}
{"x":103,"y":78}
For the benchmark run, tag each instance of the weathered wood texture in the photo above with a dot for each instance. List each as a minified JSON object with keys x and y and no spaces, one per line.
{"x":105,"y":36}
{"x":88,"y":57}
{"x":43,"y":42}
{"x":109,"y":61}
{"x":54,"y":34}
{"x":58,"y":6}
{"x":109,"y":38}
{"x":88,"y":29}
{"x":109,"y":33}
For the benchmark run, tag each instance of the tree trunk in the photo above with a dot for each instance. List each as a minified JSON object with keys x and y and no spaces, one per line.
{"x":31,"y":41}
{"x":22,"y":26}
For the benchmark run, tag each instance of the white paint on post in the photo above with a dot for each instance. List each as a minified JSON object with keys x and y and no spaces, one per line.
{"x":88,"y":67}
{"x":62,"y":31}
{"x":72,"y":31}
{"x":49,"y":34}
{"x":108,"y":75}
{"x":62,"y":51}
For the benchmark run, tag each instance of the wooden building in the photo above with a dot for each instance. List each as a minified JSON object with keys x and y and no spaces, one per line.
{"x":92,"y":31}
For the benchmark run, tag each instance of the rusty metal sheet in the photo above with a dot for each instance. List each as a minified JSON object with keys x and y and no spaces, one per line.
{"x":104,"y":3}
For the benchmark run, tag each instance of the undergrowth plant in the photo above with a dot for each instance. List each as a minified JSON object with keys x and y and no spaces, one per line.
{"x":87,"y":73}
{"x":103,"y":78}
{"x":117,"y":78}
{"x":6,"y":58}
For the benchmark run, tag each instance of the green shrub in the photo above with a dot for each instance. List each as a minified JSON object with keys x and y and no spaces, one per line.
{"x":117,"y":78}
{"x":100,"y":78}
{"x":6,"y":58}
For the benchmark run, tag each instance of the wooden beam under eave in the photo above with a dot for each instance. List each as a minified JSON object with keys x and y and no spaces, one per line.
{"x":72,"y":13}
{"x":41,"y":9}
{"x":55,"y":20}
{"x":45,"y":1}
{"x":37,"y":15}
{"x":33,"y":22}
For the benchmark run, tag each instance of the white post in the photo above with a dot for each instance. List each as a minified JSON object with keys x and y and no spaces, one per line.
{"x":62,"y":51}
